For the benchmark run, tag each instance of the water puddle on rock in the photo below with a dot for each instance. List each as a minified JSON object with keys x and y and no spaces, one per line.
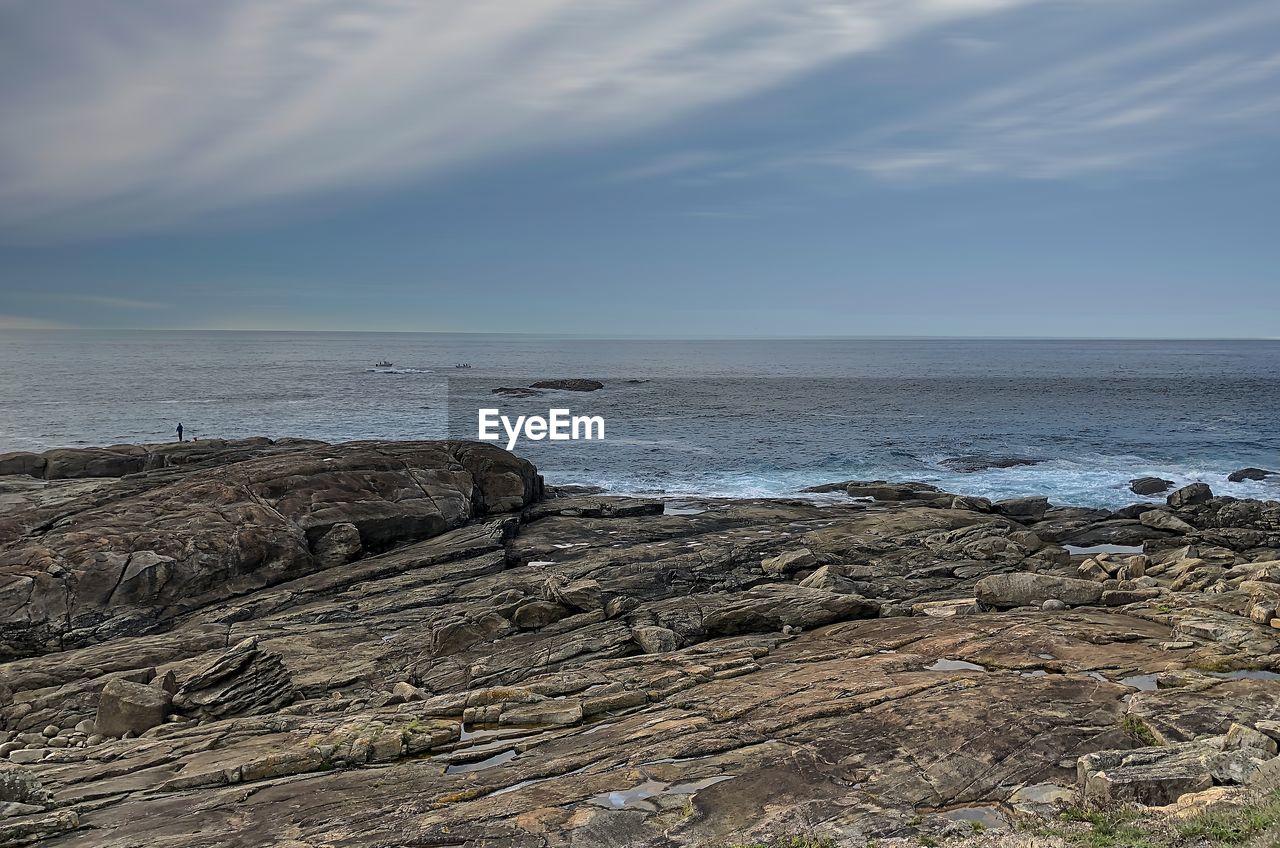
{"x":496,"y":760}
{"x":680,"y":508}
{"x":637,"y":798}
{"x":1090,"y":550}
{"x":533,"y":782}
{"x":954,"y":665}
{"x":1142,"y":682}
{"x":989,"y":817}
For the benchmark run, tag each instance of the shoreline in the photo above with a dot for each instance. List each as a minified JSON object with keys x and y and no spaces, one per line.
{"x":280,"y":636}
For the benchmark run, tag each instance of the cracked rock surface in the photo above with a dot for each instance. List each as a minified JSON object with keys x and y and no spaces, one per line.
{"x":408,"y":644}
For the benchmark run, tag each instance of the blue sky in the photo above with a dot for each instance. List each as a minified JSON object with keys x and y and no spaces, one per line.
{"x":693,"y":168}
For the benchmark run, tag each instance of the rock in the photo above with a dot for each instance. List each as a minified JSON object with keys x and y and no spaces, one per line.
{"x":972,"y":463}
{"x":22,"y":462}
{"x":1196,"y":493}
{"x":1022,"y":509}
{"x":340,"y":545}
{"x":1123,"y":597}
{"x":126,"y":707}
{"x":1005,"y":591}
{"x":86,"y":726}
{"x":1149,"y":776}
{"x":12,"y":809}
{"x":786,"y":563}
{"x":516,"y":391}
{"x":1146,"y":486}
{"x":244,"y":680}
{"x":655,"y":640}
{"x":536,"y":614}
{"x":584,"y":595}
{"x":543,"y":714}
{"x":946,"y":609}
{"x":572,"y":385}
{"x":20,"y":786}
{"x":26,"y":756}
{"x":1235,"y":476}
{"x":50,"y":731}
{"x":1053,"y":605}
{"x":881,"y":491}
{"x":1240,"y":736}
{"x":1161,"y":520}
{"x":403,"y":693}
{"x":128,"y":565}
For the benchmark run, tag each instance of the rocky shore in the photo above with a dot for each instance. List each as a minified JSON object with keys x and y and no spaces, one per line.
{"x":256,"y":642}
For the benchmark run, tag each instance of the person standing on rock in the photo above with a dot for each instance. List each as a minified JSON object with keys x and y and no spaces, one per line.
{"x":179,"y":431}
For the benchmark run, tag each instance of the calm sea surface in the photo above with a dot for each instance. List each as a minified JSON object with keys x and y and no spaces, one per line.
{"x":708,"y":417}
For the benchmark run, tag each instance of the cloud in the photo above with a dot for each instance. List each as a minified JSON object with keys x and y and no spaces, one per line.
{"x":1181,"y":90}
{"x":136,"y":115}
{"x":22,"y":322}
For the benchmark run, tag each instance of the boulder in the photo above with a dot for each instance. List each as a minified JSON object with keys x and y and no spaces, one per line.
{"x":1146,"y":486}
{"x":1235,"y":476}
{"x":20,"y":786}
{"x":571,"y":385}
{"x":1196,"y":493}
{"x":22,"y":462}
{"x":340,"y":545}
{"x":881,"y":491}
{"x":1159,"y":519}
{"x":133,"y":708}
{"x":244,"y":680}
{"x":790,"y":561}
{"x":1021,"y":589}
{"x":972,"y":463}
{"x":655,"y":640}
{"x":1022,"y":509}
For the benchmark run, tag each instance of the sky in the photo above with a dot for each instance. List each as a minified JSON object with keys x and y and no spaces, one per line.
{"x":688,"y":168}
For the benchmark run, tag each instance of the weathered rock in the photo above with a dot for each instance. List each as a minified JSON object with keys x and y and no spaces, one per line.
{"x":1161,"y":520}
{"x":1022,"y":509}
{"x":126,"y":707}
{"x":1196,"y":493}
{"x":245,"y":680}
{"x":786,"y":563}
{"x":570,"y":385}
{"x":1150,"y":485}
{"x":338,"y":546}
{"x":1235,"y":476}
{"x":655,"y":640}
{"x":972,"y":463}
{"x":1005,"y":591}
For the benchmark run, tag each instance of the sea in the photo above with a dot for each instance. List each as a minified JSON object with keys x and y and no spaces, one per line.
{"x":732,"y":418}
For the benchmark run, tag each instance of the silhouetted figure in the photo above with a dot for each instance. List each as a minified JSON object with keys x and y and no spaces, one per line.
{"x":179,"y":432}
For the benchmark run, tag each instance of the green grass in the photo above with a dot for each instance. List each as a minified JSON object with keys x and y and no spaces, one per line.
{"x":1137,"y":728}
{"x":789,"y":841}
{"x":1256,"y":825}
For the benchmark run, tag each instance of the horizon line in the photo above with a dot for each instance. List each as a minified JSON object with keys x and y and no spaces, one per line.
{"x":637,"y":336}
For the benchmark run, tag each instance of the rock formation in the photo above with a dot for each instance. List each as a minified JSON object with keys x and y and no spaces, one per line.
{"x":406,"y":643}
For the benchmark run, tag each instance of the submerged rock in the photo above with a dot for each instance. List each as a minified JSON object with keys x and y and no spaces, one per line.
{"x":1150,"y":485}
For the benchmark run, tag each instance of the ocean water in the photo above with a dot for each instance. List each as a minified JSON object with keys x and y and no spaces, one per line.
{"x":733,"y":418}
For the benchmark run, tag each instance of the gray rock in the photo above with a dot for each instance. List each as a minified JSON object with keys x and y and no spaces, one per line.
{"x":1150,"y":485}
{"x":126,"y":707}
{"x":1005,"y":591}
{"x":1053,"y":605}
{"x":245,"y":680}
{"x":1196,"y":493}
{"x":655,"y":640}
{"x":790,"y":561}
{"x":1022,"y":509}
{"x":26,"y":757}
{"x":1249,"y":474}
{"x":1159,"y":519}
{"x":338,"y":546}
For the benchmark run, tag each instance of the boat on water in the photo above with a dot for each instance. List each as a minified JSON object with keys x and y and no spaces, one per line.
{"x":382,"y":364}
{"x":463,"y":365}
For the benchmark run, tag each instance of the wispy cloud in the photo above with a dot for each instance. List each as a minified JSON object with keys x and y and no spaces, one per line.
{"x":140,"y":115}
{"x":1178,"y":91}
